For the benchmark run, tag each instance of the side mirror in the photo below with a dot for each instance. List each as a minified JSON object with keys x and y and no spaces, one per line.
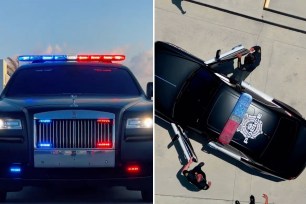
{"x":150,"y":90}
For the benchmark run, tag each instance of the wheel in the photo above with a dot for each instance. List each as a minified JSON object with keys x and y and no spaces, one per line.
{"x":2,"y":196}
{"x":147,"y":195}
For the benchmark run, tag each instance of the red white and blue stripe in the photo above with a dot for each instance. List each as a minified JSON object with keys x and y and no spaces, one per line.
{"x":235,"y":118}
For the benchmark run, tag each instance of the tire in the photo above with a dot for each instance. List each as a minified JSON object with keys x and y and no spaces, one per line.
{"x":2,"y":196}
{"x":147,"y":195}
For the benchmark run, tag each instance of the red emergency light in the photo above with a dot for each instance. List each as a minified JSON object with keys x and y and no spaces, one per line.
{"x":133,"y":169}
{"x":107,"y":121}
{"x":104,"y":145}
{"x":102,"y":58}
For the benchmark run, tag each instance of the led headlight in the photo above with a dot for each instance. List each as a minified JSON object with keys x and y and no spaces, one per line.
{"x":139,"y":123}
{"x":10,"y":124}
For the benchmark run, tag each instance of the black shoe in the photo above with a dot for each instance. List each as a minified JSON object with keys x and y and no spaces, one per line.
{"x":201,"y":164}
{"x":252,"y":199}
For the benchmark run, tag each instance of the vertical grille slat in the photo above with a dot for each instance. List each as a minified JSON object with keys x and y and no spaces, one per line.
{"x":80,"y":134}
{"x":73,"y":133}
{"x":39,"y":133}
{"x":53,"y":134}
{"x":60,"y":134}
{"x":87,"y":134}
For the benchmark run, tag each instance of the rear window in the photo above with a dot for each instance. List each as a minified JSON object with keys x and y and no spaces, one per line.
{"x":72,"y":79}
{"x":282,"y":142}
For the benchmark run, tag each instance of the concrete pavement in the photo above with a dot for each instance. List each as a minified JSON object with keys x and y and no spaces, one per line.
{"x":282,"y":73}
{"x":292,"y":7}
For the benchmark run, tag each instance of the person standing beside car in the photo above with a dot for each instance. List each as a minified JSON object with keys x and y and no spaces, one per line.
{"x":196,"y":176}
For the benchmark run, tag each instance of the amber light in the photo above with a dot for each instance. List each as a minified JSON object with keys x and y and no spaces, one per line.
{"x":104,"y":145}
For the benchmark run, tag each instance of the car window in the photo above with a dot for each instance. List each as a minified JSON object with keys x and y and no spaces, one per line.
{"x":197,"y":95}
{"x":72,"y":79}
{"x":202,"y":86}
{"x":282,"y":141}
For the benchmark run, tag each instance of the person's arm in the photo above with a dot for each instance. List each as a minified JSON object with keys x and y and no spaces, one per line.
{"x":266,"y":198}
{"x":209,"y":183}
{"x":187,"y":165}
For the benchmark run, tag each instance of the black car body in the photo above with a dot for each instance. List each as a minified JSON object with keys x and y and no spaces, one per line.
{"x":189,"y":92}
{"x":75,"y":123}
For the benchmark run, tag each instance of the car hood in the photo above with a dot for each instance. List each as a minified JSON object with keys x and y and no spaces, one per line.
{"x":256,"y":130}
{"x":173,"y":66}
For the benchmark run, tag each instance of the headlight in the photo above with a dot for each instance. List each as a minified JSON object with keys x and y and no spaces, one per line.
{"x":10,"y":124}
{"x":139,"y":123}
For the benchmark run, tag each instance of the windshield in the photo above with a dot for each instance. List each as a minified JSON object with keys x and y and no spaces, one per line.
{"x":72,"y":79}
{"x":196,"y":96}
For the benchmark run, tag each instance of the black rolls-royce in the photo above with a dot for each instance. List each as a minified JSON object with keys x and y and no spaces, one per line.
{"x":75,"y":120}
{"x":190,"y":92}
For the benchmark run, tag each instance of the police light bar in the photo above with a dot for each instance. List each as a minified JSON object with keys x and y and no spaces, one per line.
{"x":100,"y":57}
{"x":235,"y":118}
{"x":87,"y":58}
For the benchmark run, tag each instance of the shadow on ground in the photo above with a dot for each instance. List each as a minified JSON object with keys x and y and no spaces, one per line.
{"x":178,"y":4}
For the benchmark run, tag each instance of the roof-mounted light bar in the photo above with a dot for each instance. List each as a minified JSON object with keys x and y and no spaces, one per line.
{"x":30,"y":58}
{"x":83,"y":58}
{"x":100,"y":57}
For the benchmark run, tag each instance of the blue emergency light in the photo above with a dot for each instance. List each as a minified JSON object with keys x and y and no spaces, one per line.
{"x":44,"y":145}
{"x":15,"y":169}
{"x":45,"y":121}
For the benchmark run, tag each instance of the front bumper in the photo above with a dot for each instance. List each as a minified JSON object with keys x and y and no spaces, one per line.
{"x":119,"y":176}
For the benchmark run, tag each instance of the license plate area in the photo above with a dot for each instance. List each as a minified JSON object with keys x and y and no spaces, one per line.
{"x":74,"y":158}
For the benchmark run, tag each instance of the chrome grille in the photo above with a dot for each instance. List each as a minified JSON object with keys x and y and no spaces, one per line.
{"x":73,"y":133}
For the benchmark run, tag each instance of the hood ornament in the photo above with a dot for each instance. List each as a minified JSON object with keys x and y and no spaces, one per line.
{"x":74,"y":97}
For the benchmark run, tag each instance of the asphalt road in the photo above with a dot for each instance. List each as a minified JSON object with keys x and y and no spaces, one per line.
{"x":202,"y":27}
{"x":75,"y":195}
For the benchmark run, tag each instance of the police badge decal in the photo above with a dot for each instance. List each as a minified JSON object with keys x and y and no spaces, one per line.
{"x":250,"y":127}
